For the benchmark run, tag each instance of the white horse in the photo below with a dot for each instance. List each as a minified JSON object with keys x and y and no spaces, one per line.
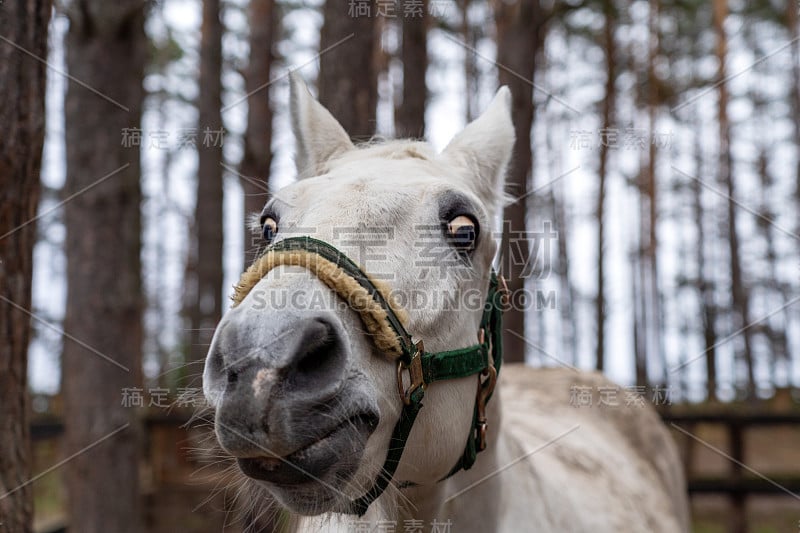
{"x":307,"y":400}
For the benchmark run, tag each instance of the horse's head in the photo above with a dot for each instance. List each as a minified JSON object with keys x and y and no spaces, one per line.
{"x":304,"y":398}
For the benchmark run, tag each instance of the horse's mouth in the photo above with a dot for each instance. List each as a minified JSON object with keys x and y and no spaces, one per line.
{"x":342,"y":444}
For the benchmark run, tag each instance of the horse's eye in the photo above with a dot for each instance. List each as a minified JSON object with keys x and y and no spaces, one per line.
{"x":462,"y":232}
{"x":269,"y":228}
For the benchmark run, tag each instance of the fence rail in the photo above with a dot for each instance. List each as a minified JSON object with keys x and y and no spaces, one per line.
{"x":738,"y":483}
{"x":741,"y":481}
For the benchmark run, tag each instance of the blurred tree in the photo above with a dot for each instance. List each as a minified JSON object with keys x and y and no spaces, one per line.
{"x":409,"y":115}
{"x":106,"y":50}
{"x":520,"y":34}
{"x":774,"y":327}
{"x":469,"y":34}
{"x":555,"y":201}
{"x":348,"y":74}
{"x":740,"y":311}
{"x":23,"y":27}
{"x":691,"y":20}
{"x":793,"y":25}
{"x":204,"y":289}
{"x":608,"y":139}
{"x":257,"y":158}
{"x":650,"y":200}
{"x":165,"y":53}
{"x":704,"y":284}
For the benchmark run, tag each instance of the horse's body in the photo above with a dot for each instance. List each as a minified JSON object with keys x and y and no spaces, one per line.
{"x":307,"y":403}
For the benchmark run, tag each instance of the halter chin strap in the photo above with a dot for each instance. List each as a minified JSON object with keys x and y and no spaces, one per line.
{"x":385,"y":324}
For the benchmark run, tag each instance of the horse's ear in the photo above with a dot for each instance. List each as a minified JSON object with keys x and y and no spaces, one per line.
{"x":319,"y":136}
{"x":484,"y":148}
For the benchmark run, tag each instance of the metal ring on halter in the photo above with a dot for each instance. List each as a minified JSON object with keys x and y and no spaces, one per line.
{"x":415,"y":374}
{"x":485,"y":389}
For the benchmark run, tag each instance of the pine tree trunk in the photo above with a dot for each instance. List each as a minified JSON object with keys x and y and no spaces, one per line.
{"x":257,"y":159}
{"x":519,"y":26}
{"x":409,"y":117}
{"x":639,"y":322}
{"x":705,"y":286}
{"x":569,"y":328}
{"x":470,"y":35}
{"x":794,"y":98}
{"x":776,"y":336}
{"x":609,"y":103}
{"x":740,"y":294}
{"x":205,"y":303}
{"x":653,"y":292}
{"x":106,"y":50}
{"x":348,"y":79}
{"x":22,"y":114}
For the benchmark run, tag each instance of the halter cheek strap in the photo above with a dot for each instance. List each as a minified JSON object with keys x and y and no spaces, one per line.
{"x":385,"y":323}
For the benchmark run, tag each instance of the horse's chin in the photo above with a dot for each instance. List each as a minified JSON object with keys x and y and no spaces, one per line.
{"x":306,"y":500}
{"x":311,"y":480}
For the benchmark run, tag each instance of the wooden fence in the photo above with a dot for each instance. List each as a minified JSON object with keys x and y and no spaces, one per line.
{"x":169,"y":464}
{"x":740,"y":480}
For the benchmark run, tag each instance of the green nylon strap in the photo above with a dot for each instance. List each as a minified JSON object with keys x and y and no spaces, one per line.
{"x":492,"y":323}
{"x":438,"y":366}
{"x":454,"y":364}
{"x":473,"y":359}
{"x":396,"y":446}
{"x":470,"y":454}
{"x":493,"y":319}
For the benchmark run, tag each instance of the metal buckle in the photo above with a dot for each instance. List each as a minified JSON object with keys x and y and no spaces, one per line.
{"x":502,"y":288}
{"x":485,"y":389}
{"x":415,"y":374}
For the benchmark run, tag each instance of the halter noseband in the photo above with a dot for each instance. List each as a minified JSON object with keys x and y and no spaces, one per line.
{"x":385,"y":325}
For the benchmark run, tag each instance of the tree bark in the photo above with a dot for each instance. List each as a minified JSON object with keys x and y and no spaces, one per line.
{"x":471,"y":74}
{"x":409,"y":116}
{"x":257,"y":159}
{"x":204,"y":298}
{"x":106,"y":51}
{"x":739,"y":293}
{"x":705,"y":285}
{"x":776,"y":336}
{"x":609,"y":103}
{"x":569,"y":328}
{"x":519,"y":37}
{"x":639,"y":323}
{"x":794,"y":94}
{"x":348,"y":79}
{"x":652,"y":290}
{"x":22,"y":114}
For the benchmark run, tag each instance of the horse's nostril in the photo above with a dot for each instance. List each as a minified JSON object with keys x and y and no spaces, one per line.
{"x":233,"y":377}
{"x":316,"y":356}
{"x":319,"y":357}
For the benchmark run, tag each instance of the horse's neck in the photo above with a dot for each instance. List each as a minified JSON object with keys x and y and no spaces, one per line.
{"x":470,"y":497}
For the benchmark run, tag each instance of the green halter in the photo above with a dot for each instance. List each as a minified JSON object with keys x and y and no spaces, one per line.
{"x":424,"y":368}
